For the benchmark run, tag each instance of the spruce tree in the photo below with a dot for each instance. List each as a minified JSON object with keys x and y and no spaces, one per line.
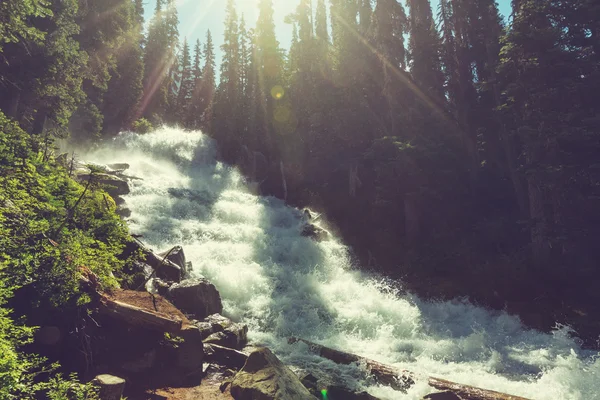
{"x":186,"y":85}
{"x":424,"y":49}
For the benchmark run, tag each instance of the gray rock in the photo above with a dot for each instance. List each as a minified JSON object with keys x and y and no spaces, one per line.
{"x":314,"y":232}
{"x":177,"y":257}
{"x":113,"y":185}
{"x":224,"y":356}
{"x":142,"y":364}
{"x":118,"y":166}
{"x":190,"y":353}
{"x":264,"y":377}
{"x":197,"y":297}
{"x":442,"y":396}
{"x":221,"y":330}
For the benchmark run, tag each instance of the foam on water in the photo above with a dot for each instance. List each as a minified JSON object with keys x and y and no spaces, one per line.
{"x":282,"y":284}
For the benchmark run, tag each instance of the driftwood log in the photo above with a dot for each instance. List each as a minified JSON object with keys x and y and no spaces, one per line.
{"x":135,"y":316}
{"x":399,"y":379}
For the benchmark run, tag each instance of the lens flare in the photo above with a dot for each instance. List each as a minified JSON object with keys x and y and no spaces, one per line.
{"x":277,"y":92}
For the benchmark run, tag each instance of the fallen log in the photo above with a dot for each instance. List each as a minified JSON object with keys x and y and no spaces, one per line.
{"x":135,"y":316}
{"x":399,"y":379}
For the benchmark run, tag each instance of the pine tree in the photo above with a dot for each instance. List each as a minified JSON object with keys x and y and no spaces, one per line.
{"x":548,"y":82}
{"x":193,"y":118}
{"x":157,"y":66}
{"x":424,"y":48}
{"x":186,"y":84}
{"x":208,"y":87}
{"x":126,"y":87}
{"x":226,"y":108}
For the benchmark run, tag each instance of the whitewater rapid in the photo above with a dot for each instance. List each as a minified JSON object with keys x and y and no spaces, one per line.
{"x":282,"y":284}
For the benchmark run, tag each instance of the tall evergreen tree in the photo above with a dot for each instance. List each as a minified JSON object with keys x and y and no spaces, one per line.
{"x":424,"y":49}
{"x":208,"y":87}
{"x":226,"y":110}
{"x":126,"y":87}
{"x":186,"y":84}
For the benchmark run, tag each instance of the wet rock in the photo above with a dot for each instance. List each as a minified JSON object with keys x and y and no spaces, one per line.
{"x":113,"y":185}
{"x":120,"y":167}
{"x":197,"y":297}
{"x":177,"y":257}
{"x":110,"y":387}
{"x":314,"y":232}
{"x":442,"y":396}
{"x":335,"y":392}
{"x":265,"y":377}
{"x":224,"y":356}
{"x":220,"y":330}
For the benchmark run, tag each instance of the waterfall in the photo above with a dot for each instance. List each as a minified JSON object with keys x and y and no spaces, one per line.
{"x":282,"y":284}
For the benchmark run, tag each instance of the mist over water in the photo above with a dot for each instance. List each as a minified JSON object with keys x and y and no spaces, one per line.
{"x":282,"y":284}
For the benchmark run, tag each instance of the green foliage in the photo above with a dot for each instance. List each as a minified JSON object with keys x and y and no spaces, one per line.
{"x":142,"y":125}
{"x":50,"y":226}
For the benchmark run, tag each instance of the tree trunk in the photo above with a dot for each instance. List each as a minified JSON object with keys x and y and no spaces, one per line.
{"x":111,"y":387}
{"x":402,"y":379}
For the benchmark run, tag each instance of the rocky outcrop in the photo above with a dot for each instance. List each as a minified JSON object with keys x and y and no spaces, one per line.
{"x":177,"y":257}
{"x":197,"y":297}
{"x":224,"y":356}
{"x":112,"y":184}
{"x":265,"y":377}
{"x":220,"y":330}
{"x":314,"y":232}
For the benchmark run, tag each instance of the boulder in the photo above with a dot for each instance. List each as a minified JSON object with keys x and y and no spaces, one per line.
{"x":177,"y":257}
{"x":224,"y":356}
{"x":335,"y":392}
{"x":197,"y":297}
{"x":113,"y":185}
{"x":235,"y":337}
{"x":220,"y":330}
{"x":118,"y":166}
{"x":110,"y":387}
{"x":141,"y":364}
{"x":190,"y":353}
{"x":314,"y":232}
{"x":165,"y":268}
{"x":442,"y":396}
{"x":264,"y":377}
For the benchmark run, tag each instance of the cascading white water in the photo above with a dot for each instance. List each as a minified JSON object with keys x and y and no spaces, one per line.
{"x":282,"y":284}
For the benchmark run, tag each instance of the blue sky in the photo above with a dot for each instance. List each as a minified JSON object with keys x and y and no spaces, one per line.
{"x":196,"y":16}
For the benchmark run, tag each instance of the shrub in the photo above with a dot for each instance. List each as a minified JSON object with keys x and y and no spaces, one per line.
{"x":142,"y":125}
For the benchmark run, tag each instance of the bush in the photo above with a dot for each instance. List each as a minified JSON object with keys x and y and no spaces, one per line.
{"x":142,"y":125}
{"x":50,"y":227}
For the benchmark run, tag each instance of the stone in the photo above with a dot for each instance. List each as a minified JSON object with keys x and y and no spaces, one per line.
{"x":113,"y":185}
{"x":221,"y":330}
{"x":314,"y":232}
{"x":190,"y":353}
{"x":110,"y":387}
{"x":264,"y":377}
{"x":442,"y":396}
{"x":118,"y":166}
{"x":144,"y":363}
{"x":335,"y":392}
{"x":177,"y":257}
{"x":224,"y":356}
{"x":197,"y":297}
